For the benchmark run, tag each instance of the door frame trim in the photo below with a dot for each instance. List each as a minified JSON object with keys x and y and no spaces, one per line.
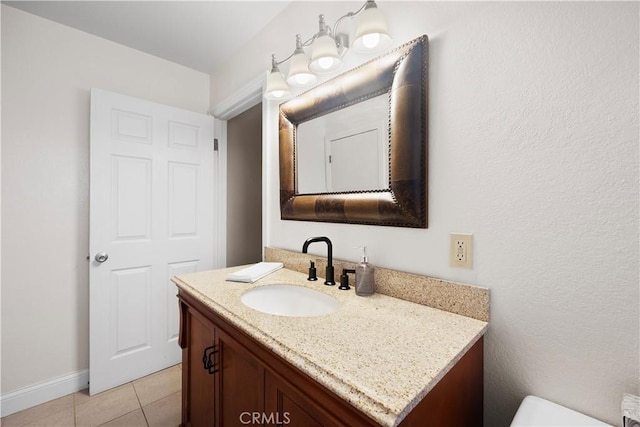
{"x":247,"y":96}
{"x":220,"y":193}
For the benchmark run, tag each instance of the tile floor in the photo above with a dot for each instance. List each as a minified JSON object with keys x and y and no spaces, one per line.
{"x":152,"y":401}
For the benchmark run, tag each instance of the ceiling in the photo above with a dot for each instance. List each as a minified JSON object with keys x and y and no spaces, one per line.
{"x":197,"y":34}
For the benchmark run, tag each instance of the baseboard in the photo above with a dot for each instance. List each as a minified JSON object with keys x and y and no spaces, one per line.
{"x":43,"y":392}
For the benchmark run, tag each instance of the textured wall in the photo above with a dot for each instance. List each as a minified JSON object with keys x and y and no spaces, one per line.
{"x":533,"y":144}
{"x":47,"y":72}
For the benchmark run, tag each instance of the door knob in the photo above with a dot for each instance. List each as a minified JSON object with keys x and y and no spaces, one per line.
{"x":101,"y":257}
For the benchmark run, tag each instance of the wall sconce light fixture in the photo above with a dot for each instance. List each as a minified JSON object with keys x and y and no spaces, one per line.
{"x":327,"y":48}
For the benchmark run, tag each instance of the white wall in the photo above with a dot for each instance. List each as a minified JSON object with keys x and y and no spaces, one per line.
{"x":47,"y":72}
{"x":533,"y":145}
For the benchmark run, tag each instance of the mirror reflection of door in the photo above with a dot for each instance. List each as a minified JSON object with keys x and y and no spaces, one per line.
{"x":354,"y":160}
{"x":356,"y":138}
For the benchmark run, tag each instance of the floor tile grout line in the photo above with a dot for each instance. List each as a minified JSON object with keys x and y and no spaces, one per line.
{"x":163,"y":397}
{"x":113,"y":390}
{"x":140,"y":403}
{"x":120,"y":416}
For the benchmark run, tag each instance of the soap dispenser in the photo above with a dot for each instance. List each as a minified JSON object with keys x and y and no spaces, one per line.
{"x":364,"y":276}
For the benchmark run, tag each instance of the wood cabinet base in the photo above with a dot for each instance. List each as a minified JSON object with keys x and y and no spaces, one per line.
{"x":229,"y":379}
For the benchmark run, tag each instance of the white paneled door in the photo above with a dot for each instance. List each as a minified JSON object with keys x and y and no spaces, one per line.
{"x":151,"y":218}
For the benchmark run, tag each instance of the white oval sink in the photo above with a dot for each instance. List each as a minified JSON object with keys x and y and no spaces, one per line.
{"x":289,"y":300}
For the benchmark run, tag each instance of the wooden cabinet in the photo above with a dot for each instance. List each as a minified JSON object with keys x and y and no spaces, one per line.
{"x":220,"y":379}
{"x":230,"y":379}
{"x":241,"y":379}
{"x":290,"y":405}
{"x":198,"y":384}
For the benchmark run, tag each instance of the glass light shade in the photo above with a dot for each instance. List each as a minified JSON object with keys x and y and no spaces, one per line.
{"x":372,"y":33}
{"x":324,"y":55}
{"x":299,"y":74}
{"x":277,"y":87}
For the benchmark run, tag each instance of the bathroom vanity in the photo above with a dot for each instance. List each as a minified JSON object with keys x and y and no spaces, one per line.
{"x":377,"y":360}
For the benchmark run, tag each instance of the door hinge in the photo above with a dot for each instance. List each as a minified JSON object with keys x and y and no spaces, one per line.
{"x":329,"y":158}
{"x":215,"y":144}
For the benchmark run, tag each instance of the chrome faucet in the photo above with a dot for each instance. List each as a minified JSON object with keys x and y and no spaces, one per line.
{"x":329,"y":276}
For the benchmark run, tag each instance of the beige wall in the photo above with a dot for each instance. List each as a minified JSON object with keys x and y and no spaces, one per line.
{"x":47,"y":72}
{"x":533,"y":145}
{"x":244,"y":187}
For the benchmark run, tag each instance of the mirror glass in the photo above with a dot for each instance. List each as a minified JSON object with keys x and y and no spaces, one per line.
{"x":346,"y":150}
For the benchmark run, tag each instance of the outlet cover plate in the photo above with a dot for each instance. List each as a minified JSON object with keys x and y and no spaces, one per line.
{"x":461,"y":250}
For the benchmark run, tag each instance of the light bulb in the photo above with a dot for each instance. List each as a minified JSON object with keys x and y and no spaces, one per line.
{"x":372,"y":33}
{"x":324,"y":51}
{"x":303,"y":79}
{"x":277,"y":87}
{"x":325,"y":63}
{"x":371,"y":40}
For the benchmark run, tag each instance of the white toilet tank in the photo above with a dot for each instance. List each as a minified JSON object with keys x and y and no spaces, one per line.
{"x":538,"y":412}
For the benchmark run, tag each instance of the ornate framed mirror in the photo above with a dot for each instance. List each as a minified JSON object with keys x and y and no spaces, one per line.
{"x":354,"y":149}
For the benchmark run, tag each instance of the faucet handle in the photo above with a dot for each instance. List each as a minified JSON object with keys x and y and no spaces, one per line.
{"x":312,"y":272}
{"x":344,"y":279}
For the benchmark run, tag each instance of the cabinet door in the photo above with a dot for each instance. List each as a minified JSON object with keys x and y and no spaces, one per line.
{"x":289,"y":407}
{"x":241,"y":383}
{"x":198,"y":384}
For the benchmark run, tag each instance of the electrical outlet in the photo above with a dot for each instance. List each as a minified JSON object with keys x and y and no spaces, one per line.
{"x":461,"y":251}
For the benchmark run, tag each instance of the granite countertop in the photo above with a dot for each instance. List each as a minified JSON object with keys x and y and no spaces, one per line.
{"x":380,"y":354}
